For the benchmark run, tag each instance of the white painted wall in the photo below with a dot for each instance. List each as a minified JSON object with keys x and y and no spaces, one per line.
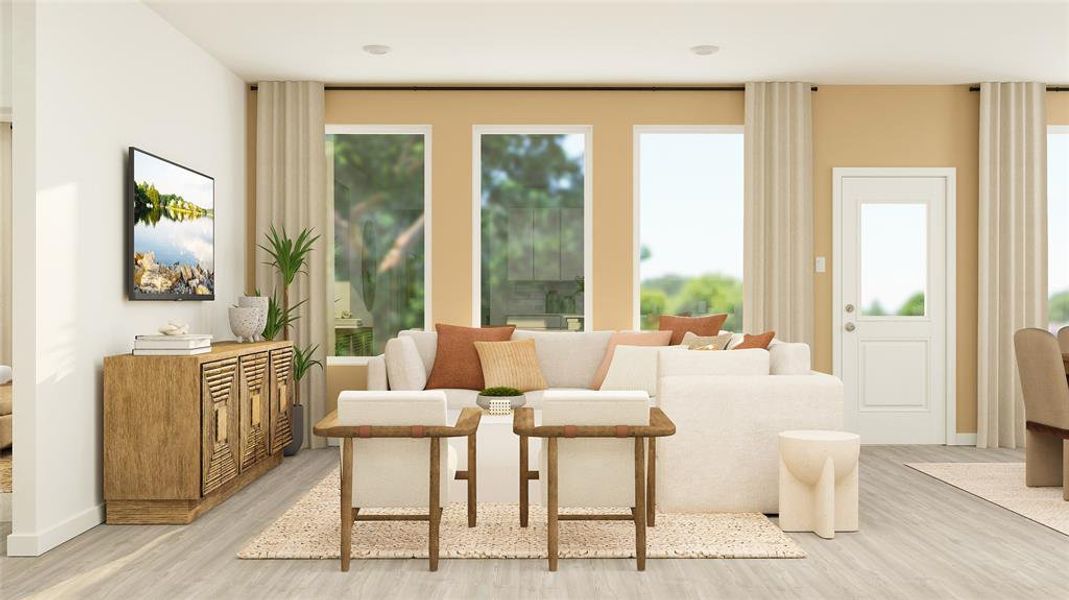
{"x":90,"y":81}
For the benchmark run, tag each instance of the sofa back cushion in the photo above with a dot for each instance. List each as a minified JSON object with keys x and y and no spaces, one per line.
{"x":692,"y":362}
{"x":404,"y":368}
{"x":568,"y":359}
{"x":426,"y":345}
{"x":456,"y":363}
{"x":628,"y":338}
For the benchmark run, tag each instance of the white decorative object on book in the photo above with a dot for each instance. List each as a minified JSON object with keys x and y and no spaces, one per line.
{"x":174,"y":328}
{"x":243,"y":322}
{"x":259,"y":303}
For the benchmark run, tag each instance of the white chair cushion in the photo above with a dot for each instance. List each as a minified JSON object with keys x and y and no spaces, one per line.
{"x":635,"y":368}
{"x":395,"y":472}
{"x":568,"y":358}
{"x":404,"y":366}
{"x":593,"y":472}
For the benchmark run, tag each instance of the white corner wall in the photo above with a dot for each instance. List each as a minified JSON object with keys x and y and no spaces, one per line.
{"x":5,"y":59}
{"x":90,"y":80}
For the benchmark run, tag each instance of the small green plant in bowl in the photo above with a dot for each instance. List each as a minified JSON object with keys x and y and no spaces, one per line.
{"x":500,"y":400}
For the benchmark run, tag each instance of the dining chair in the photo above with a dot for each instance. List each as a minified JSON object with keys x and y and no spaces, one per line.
{"x":1046,"y":408}
{"x":391,"y":457}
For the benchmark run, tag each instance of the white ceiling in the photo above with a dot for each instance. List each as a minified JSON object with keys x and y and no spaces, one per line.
{"x":857,"y":41}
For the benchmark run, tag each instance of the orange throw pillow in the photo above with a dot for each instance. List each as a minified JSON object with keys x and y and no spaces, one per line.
{"x":702,"y":326}
{"x":456,"y":365}
{"x":760,"y":340}
{"x":627,"y":338}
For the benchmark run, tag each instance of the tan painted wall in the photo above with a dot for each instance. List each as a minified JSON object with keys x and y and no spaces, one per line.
{"x":901,"y":126}
{"x":876,"y":126}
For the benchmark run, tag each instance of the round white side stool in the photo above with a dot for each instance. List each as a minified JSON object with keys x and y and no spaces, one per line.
{"x":818,"y":481}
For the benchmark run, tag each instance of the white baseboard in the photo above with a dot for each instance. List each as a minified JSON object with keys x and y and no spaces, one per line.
{"x":36,"y":544}
{"x":963,"y":439}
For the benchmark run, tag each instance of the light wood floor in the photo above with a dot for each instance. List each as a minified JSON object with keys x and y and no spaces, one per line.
{"x":920,"y":538}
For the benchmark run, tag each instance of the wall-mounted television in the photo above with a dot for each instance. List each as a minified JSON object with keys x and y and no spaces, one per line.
{"x":171,"y":230}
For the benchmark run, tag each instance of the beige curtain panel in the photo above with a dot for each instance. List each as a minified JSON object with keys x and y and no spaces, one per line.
{"x":290,"y":193}
{"x":1013,"y":249}
{"x":778,"y":213}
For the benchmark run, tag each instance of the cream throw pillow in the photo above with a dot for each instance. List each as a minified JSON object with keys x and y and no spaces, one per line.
{"x":707,"y":342}
{"x":635,"y":368}
{"x":511,"y":364}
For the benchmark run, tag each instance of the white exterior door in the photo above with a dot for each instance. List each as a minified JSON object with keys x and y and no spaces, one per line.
{"x":894,"y":259}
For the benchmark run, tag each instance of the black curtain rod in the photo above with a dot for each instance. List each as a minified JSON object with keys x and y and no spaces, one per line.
{"x":1050,"y":88}
{"x":532,"y":88}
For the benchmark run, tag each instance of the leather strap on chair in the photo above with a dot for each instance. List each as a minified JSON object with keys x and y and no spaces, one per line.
{"x":418,"y":431}
{"x":570,"y":431}
{"x":623,"y":431}
{"x":364,"y":431}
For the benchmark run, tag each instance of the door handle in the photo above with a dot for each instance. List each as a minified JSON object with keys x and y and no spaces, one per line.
{"x":849,"y":308}
{"x":849,"y":327}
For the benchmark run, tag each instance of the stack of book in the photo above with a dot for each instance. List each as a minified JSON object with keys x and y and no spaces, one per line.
{"x":172,"y":345}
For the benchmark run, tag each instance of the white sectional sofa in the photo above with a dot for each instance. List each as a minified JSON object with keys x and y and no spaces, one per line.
{"x":728,"y":407}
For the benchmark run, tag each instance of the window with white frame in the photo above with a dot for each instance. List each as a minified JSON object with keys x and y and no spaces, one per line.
{"x":1058,"y":226}
{"x":380,"y":199}
{"x":689,"y":223}
{"x":532,"y":223}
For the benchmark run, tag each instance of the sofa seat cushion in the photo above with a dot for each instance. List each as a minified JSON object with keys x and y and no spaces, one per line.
{"x":568,"y":359}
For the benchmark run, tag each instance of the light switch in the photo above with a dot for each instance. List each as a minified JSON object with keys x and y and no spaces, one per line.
{"x":820,"y":264}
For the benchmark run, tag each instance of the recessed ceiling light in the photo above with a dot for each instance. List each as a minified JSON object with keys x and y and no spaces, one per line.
{"x":705,"y":49}
{"x":377,"y":49}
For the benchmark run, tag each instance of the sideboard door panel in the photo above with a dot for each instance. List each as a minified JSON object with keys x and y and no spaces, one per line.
{"x":281,"y":394}
{"x":254,"y":397}
{"x":220,"y":423}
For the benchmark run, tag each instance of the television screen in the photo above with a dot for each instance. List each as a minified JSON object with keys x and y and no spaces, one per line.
{"x":172,"y":230}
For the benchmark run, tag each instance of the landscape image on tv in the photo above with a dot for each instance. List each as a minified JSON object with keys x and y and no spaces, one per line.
{"x":172,"y":231}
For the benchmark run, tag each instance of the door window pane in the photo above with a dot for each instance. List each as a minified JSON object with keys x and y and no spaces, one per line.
{"x":532,"y":221}
{"x":1058,"y":227}
{"x":378,"y":239}
{"x":894,"y":259}
{"x":690,"y":226}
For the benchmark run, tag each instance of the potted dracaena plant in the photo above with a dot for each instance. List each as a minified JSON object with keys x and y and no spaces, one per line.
{"x":289,"y":257}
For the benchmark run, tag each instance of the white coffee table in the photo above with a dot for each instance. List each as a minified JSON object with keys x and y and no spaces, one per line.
{"x":498,"y":455}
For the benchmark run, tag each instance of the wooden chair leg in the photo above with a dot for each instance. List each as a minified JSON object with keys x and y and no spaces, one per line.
{"x":434,"y":512}
{"x":472,"y":470}
{"x":346,"y":503}
{"x":651,"y":484}
{"x":551,"y":505}
{"x":524,"y":507}
{"x":640,"y":503}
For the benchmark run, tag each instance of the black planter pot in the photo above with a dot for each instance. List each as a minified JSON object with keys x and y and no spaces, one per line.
{"x":297,"y":425}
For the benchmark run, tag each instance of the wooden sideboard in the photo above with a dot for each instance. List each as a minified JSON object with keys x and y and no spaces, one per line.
{"x":184,"y":433}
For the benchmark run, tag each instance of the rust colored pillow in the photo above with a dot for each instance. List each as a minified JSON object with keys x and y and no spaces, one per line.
{"x":627,"y":338}
{"x":456,"y":364}
{"x":760,"y":340}
{"x":702,"y":326}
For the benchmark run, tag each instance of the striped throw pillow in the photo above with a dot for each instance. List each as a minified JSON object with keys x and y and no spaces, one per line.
{"x":511,"y":364}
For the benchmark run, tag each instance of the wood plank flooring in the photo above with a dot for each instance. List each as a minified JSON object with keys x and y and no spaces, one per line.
{"x":919,"y":538}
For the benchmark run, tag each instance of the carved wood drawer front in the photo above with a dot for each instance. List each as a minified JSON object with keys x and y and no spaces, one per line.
{"x":281,"y":388}
{"x":254,"y":398}
{"x":219,"y":416}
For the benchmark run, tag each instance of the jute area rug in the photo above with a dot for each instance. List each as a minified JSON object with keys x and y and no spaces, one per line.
{"x":310,"y":530}
{"x":1003,"y":484}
